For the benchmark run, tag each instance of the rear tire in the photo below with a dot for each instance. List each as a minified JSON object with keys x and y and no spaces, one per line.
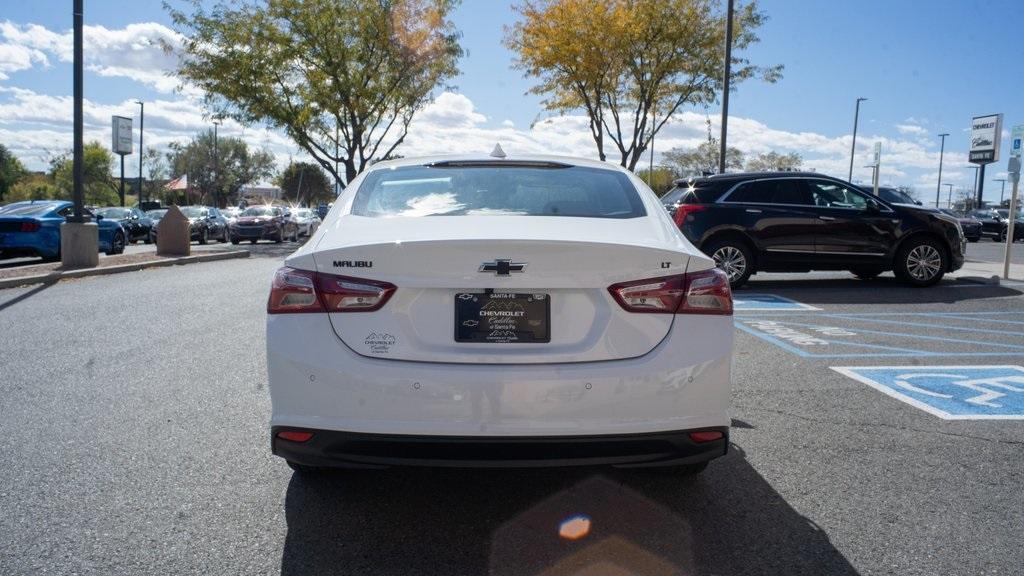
{"x":734,"y":258}
{"x":234,"y":240}
{"x":204,"y":236}
{"x":116,"y":244}
{"x":921,"y":262}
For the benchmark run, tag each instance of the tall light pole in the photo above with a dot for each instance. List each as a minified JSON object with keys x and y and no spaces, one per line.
{"x":949,"y":196}
{"x":142,"y":119}
{"x":974,"y":187}
{"x":853,"y":147}
{"x":77,"y":168}
{"x":942,"y":150}
{"x":1002,"y":191}
{"x":216,"y":164}
{"x":725,"y":88}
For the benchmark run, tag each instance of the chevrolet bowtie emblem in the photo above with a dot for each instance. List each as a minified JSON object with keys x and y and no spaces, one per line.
{"x":502,"y":267}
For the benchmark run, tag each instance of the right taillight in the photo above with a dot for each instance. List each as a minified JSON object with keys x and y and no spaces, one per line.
{"x":297,"y":291}
{"x":684,"y":210}
{"x":704,"y":292}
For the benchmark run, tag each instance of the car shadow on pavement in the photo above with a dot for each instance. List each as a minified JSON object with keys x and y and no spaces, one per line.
{"x":883,"y":290}
{"x":4,"y":304}
{"x":729,"y":520}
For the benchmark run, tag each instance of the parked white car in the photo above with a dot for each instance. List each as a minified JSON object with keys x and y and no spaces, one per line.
{"x":462,"y":311}
{"x":307,"y":220}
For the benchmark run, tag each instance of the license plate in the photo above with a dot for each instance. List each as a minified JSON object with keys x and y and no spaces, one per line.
{"x":502,"y":317}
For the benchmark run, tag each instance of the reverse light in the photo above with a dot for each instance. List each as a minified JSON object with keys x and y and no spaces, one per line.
{"x":684,"y":210}
{"x":704,"y":292}
{"x":297,"y":291}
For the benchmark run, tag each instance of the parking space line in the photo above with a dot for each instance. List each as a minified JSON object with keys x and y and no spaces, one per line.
{"x":920,"y":337}
{"x":922,"y":325}
{"x":777,"y":341}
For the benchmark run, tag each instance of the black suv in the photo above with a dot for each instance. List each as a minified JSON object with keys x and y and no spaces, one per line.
{"x":798,"y":222}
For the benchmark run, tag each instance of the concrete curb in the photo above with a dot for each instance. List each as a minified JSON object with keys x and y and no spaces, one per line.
{"x":85,"y":272}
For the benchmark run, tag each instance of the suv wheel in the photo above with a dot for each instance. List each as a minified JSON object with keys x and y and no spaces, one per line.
{"x":734,"y":258}
{"x":921,"y":262}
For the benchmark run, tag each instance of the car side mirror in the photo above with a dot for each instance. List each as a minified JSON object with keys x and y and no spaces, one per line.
{"x":99,"y":217}
{"x":873,"y":207}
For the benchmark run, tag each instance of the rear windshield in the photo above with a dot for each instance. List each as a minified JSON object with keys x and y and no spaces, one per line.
{"x":498,"y":190}
{"x":690,"y":194}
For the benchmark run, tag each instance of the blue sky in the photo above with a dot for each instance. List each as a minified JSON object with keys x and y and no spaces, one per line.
{"x":926,"y":67}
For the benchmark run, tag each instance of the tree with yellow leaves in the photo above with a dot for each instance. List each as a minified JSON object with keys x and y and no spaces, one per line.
{"x":631,"y":64}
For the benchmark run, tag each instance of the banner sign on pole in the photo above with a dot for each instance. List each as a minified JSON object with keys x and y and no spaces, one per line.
{"x":986,"y":132}
{"x":1016,"y":138}
{"x":121,"y":135}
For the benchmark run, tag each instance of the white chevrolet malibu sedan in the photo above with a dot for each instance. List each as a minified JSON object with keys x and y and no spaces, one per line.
{"x":499,"y":311}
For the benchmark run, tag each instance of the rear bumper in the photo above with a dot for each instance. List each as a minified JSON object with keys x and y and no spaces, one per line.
{"x":318,"y":383}
{"x":329,"y":448}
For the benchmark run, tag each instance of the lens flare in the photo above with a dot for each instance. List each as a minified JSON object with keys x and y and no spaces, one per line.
{"x":575,"y":527}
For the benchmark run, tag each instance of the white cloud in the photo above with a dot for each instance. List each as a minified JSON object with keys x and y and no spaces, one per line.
{"x":14,"y":57}
{"x":135,"y":51}
{"x":912,"y":129}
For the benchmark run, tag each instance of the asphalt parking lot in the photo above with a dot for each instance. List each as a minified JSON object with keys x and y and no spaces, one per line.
{"x":134,"y":424}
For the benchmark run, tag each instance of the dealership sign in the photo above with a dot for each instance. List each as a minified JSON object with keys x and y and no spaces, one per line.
{"x":121,"y":132}
{"x":986,"y":132}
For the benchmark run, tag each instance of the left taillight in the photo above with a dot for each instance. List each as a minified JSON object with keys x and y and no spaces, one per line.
{"x":296,"y":291}
{"x":704,"y":292}
{"x":29,"y":226}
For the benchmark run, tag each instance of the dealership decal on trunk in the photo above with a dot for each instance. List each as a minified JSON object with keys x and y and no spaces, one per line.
{"x":379,"y":343}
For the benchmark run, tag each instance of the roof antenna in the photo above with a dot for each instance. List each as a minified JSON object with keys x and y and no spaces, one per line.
{"x":497,"y":152}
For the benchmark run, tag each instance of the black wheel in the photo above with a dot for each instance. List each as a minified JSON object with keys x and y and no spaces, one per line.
{"x":866,"y":273}
{"x":204,"y":236}
{"x":234,"y":240}
{"x":149,"y":238}
{"x":734,"y":258}
{"x":117,"y":244}
{"x":280,"y":237}
{"x":253,"y":241}
{"x":1001,"y":237}
{"x":225,"y":237}
{"x":921,"y":262}
{"x":303,"y":469}
{"x":973,"y":239}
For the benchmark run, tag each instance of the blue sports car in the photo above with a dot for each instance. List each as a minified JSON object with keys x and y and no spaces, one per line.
{"x":33,"y":229}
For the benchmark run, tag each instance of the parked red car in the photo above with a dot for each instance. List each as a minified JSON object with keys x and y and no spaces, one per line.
{"x":264,"y":223}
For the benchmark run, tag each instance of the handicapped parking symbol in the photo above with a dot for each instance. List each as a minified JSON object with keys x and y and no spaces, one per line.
{"x":950,"y":392}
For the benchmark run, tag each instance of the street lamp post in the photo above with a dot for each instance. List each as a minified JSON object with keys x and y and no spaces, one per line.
{"x":216,"y":165}
{"x":142,"y":119}
{"x":725,"y":87}
{"x":1002,"y":190}
{"x":942,"y":150}
{"x":853,"y":146}
{"x":974,"y":188}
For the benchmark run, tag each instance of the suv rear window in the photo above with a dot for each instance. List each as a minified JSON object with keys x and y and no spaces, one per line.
{"x":492,"y":189}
